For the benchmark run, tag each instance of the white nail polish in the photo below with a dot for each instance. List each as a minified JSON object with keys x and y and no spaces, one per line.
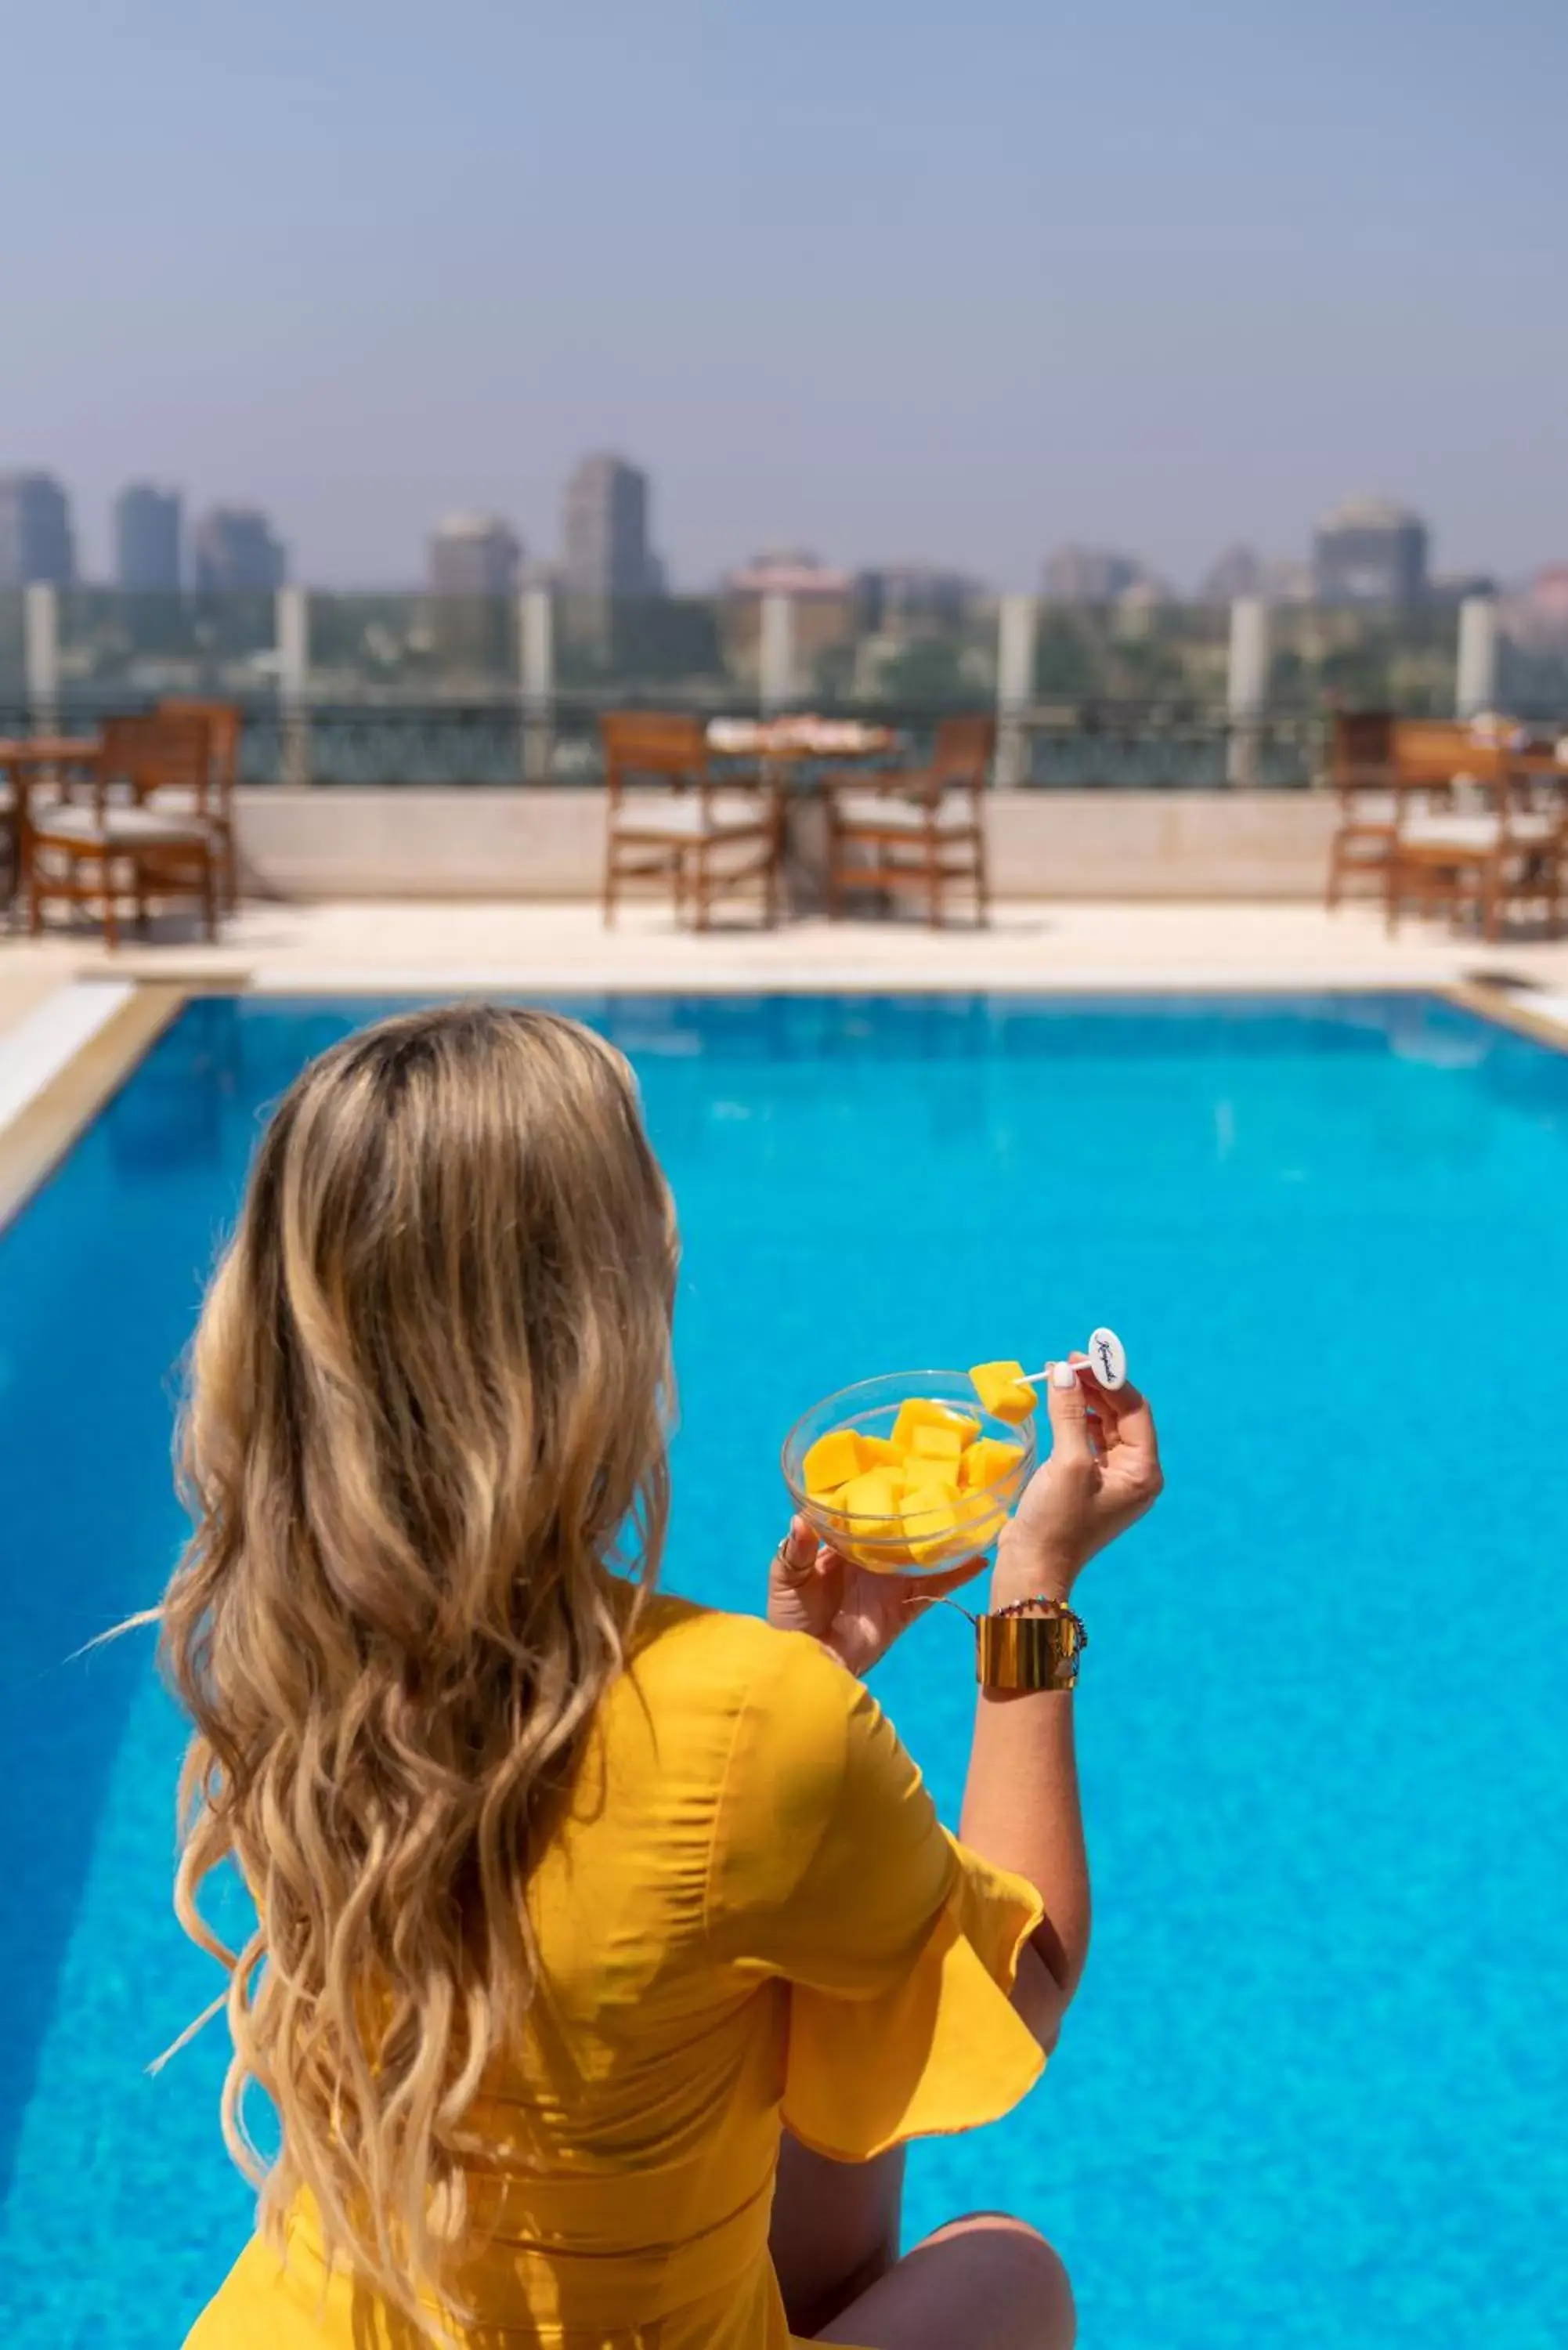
{"x":1062,"y":1375}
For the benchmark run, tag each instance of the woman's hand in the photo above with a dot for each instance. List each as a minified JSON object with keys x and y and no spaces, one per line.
{"x":854,"y":1613}
{"x":1103,"y":1473}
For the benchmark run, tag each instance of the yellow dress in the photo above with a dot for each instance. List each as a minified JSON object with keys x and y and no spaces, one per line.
{"x":752,"y":1918}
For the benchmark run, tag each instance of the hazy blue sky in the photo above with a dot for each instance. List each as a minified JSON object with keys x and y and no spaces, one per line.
{"x":884,"y":277}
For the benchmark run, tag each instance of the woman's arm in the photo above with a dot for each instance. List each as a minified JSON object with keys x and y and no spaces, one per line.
{"x":1021,"y":1803}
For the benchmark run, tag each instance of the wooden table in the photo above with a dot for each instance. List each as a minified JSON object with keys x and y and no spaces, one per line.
{"x":783,"y":740}
{"x":1542,"y":760}
{"x":781,"y":748}
{"x":23,"y":758}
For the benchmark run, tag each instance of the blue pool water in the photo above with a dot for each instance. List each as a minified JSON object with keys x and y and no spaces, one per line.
{"x":1315,"y":2091}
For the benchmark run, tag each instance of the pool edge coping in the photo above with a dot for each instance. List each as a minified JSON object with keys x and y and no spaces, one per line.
{"x":75,"y":1076}
{"x":1511,"y":1008}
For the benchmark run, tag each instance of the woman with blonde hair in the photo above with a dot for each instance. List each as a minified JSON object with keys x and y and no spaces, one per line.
{"x":607,"y":1950}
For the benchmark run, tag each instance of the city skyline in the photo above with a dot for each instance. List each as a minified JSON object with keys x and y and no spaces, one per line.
{"x":94,"y":533}
{"x":604,"y":548}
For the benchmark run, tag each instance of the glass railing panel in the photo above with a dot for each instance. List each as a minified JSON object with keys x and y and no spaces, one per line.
{"x":1365,"y":658}
{"x":412,"y":648}
{"x":119,"y":650}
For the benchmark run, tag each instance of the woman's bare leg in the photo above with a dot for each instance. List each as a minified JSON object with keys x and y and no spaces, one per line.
{"x":987,"y":2282}
{"x":835,"y":2230}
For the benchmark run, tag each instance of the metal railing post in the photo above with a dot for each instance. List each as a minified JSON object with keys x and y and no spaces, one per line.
{"x":1015,"y":626}
{"x":775,"y":652}
{"x":292,"y":629}
{"x":41,"y":654}
{"x":536,"y":672}
{"x":1247,"y":688}
{"x":1475,"y":682}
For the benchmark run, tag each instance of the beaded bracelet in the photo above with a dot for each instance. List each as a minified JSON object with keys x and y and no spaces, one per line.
{"x":1052,"y":1606}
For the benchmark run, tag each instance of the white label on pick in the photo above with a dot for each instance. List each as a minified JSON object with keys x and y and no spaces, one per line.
{"x":1107,"y":1358}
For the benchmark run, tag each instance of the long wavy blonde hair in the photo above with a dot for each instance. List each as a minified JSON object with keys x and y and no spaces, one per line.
{"x":424,"y":1454}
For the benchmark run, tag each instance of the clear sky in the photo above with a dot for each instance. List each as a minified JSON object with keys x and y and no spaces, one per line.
{"x":887,"y":278}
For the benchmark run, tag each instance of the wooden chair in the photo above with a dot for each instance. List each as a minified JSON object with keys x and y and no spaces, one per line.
{"x":917,"y":832}
{"x":1361,"y":776}
{"x":115,"y":840}
{"x":10,"y":840}
{"x":1431,"y":758}
{"x":671,"y":820}
{"x":1502,"y":851}
{"x":34,"y":768}
{"x":226,"y":721}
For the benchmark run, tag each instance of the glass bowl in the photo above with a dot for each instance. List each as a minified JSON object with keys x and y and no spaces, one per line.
{"x":870,"y":1407}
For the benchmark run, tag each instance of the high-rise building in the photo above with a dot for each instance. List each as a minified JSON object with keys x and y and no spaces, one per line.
{"x":35,"y":544}
{"x":823,"y":608}
{"x":1549,"y":598}
{"x":147,"y":538}
{"x":1458,"y":587}
{"x":473,"y":555}
{"x":605,"y":549}
{"x":1287,"y":580}
{"x":1088,"y":574}
{"x":913,"y":595}
{"x":1535,"y":614}
{"x":236,"y":547}
{"x":1238,"y":572}
{"x":472,"y":562}
{"x":1370,"y":551}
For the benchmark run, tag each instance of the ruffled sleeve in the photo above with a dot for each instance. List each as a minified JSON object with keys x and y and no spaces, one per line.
{"x":831,"y":1870}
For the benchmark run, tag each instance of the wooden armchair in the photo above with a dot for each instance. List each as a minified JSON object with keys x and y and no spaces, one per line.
{"x":1504,"y":851}
{"x":1361,"y":777}
{"x":114,"y":840}
{"x":919,"y":832}
{"x":671,"y":820}
{"x":226,"y":721}
{"x":10,"y":840}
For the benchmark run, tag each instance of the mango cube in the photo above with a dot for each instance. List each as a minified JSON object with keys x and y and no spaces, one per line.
{"x":920,"y":1411}
{"x":921,"y":1476}
{"x":1003,"y":1390}
{"x":931,"y":1529}
{"x":831,"y":1461}
{"x":942,"y":1444}
{"x":987,"y":1460}
{"x":872,"y":1500}
{"x":877,"y":1452}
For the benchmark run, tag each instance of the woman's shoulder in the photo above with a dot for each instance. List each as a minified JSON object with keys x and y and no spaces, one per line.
{"x":779,"y":1692}
{"x":790,"y":1716}
{"x":724,"y":1709}
{"x":679,"y":1643}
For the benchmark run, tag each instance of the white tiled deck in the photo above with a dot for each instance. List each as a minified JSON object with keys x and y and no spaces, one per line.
{"x":429,"y":948}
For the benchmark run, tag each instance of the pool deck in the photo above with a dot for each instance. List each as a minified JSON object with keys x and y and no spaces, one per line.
{"x":349,"y":948}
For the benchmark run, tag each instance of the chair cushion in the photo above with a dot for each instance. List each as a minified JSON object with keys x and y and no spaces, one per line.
{"x":72,"y":825}
{"x":1370,"y":808}
{"x":180,"y":799}
{"x":890,"y":812}
{"x":1466,"y":836}
{"x":1477,"y":836}
{"x":656,"y":816}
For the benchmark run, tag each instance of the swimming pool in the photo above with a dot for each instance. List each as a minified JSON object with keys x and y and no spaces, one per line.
{"x":1314,"y":2092}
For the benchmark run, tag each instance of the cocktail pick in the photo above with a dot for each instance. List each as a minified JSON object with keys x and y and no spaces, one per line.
{"x":1107,"y":1360}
